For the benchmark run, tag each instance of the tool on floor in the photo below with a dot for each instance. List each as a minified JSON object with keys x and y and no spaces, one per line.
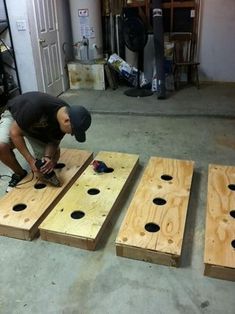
{"x":48,"y":177}
{"x":99,"y":166}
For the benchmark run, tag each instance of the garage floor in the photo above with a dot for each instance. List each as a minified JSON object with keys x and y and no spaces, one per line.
{"x":41,"y":277}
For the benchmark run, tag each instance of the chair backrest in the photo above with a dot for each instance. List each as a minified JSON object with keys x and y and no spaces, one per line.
{"x":183,"y":47}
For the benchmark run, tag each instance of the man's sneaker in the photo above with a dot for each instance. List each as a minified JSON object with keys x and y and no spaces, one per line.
{"x":15,"y":179}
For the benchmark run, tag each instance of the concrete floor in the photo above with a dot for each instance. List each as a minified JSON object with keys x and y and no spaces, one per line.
{"x":41,"y":277}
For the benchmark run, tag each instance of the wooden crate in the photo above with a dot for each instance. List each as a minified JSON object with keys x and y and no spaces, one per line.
{"x":80,"y":218}
{"x":86,"y":76}
{"x":219,"y":255}
{"x":24,"y":208}
{"x":153,"y":228}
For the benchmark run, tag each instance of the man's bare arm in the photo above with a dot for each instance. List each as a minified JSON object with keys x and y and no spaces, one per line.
{"x":52,"y":150}
{"x":51,"y":156}
{"x":16,"y":134}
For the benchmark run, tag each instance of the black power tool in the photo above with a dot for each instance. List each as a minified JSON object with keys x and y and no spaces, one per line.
{"x":48,"y":177}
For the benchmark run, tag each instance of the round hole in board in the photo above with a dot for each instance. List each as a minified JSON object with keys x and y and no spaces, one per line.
{"x":77,"y":214}
{"x":233,"y":244}
{"x":39,"y":186}
{"x":93,"y":191}
{"x":59,"y":165}
{"x":19,"y":207}
{"x":232,"y":213}
{"x":166,"y":177}
{"x":108,"y":170}
{"x":152,"y":227}
{"x":159,"y":201}
{"x":231,"y":187}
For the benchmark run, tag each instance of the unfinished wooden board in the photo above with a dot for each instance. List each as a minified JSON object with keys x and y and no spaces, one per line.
{"x":88,"y":76}
{"x":24,"y":208}
{"x":219,"y":255}
{"x":79,"y":219}
{"x":153,"y":228}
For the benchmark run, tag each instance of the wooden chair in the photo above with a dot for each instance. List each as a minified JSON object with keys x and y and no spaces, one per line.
{"x":183,"y":59}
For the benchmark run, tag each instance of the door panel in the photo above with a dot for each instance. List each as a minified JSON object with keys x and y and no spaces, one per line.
{"x":50,"y":59}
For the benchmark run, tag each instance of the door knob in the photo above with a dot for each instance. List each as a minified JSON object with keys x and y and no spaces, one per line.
{"x":41,"y":41}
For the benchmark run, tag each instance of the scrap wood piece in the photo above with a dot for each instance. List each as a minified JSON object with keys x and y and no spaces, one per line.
{"x":219,"y":254}
{"x":24,"y":208}
{"x":81,"y":216}
{"x":153,"y":228}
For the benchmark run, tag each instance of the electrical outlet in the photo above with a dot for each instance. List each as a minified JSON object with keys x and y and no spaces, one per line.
{"x":192,"y":13}
{"x":21,"y":25}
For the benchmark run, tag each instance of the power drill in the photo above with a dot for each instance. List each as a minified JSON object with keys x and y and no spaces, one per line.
{"x":99,"y":166}
{"x":49,"y":177}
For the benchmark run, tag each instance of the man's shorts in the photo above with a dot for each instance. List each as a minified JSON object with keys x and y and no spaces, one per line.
{"x":5,"y":125}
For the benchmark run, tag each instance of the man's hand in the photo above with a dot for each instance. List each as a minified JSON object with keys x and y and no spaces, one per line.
{"x":52,"y":151}
{"x":48,"y":165}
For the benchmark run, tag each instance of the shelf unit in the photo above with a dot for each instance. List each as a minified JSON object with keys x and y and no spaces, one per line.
{"x":181,"y":16}
{"x":143,"y":6}
{"x":9,"y":78}
{"x":180,"y":21}
{"x":140,"y":4}
{"x":173,"y":12}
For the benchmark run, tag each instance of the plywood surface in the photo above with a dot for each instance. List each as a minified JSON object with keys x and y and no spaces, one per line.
{"x":220,"y":218}
{"x":61,"y":227}
{"x":166,"y":180}
{"x":38,"y":202}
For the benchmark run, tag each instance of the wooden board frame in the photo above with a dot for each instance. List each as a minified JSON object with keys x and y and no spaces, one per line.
{"x":219,"y":253}
{"x":160,"y":202}
{"x":98,"y":209}
{"x":149,"y":256}
{"x":39,"y":202}
{"x":218,"y":272}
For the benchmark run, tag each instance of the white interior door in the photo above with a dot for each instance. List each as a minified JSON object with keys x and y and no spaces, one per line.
{"x":49,"y":54}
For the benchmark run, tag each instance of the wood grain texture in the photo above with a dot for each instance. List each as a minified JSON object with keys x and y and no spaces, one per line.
{"x":85,"y":232}
{"x":219,"y":255}
{"x":219,"y":272}
{"x":163,"y":246}
{"x":146,"y":255}
{"x":24,"y":224}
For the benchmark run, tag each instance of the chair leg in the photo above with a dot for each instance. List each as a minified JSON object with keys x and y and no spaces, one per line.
{"x":197,"y":76}
{"x":189,"y":74}
{"x":176,"y":77}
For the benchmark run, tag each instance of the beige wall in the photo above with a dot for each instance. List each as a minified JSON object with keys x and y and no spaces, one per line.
{"x":217,"y":40}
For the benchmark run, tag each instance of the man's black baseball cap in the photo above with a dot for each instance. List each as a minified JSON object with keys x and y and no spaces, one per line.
{"x":80,"y":120}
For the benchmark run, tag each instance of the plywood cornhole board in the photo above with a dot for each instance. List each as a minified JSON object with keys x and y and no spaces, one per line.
{"x":153,"y":228}
{"x":219,"y":255}
{"x":80,"y":218}
{"x":24,"y":208}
